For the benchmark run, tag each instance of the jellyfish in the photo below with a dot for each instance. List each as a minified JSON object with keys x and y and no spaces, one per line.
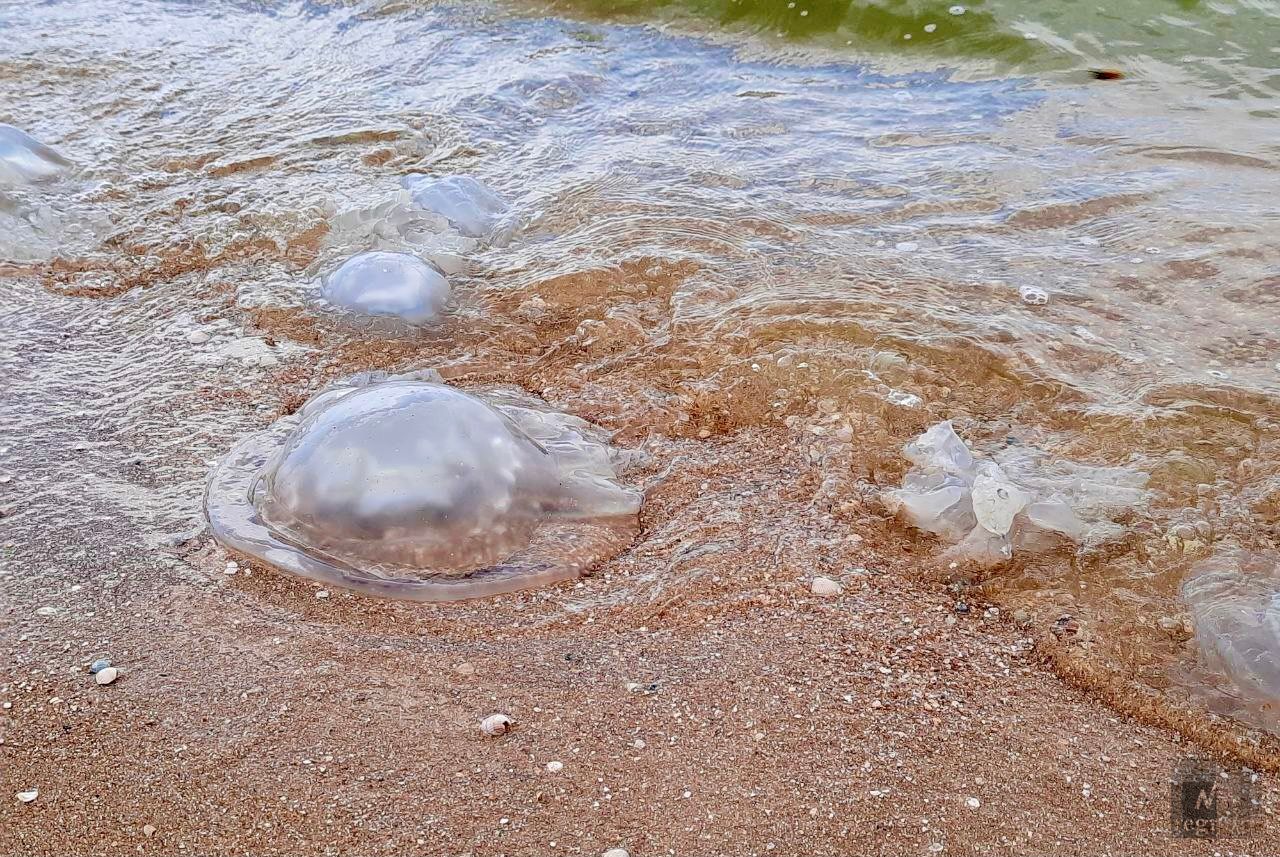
{"x":405,"y":487}
{"x":24,"y":159}
{"x":388,"y":284}
{"x":1234,"y":601}
{"x":468,"y":205}
{"x":1016,"y":500}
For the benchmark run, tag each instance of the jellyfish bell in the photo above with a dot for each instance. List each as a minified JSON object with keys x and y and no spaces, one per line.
{"x":469,"y":206}
{"x":381,"y":283}
{"x":1233,"y":597}
{"x":25,"y":160}
{"x":405,"y":487}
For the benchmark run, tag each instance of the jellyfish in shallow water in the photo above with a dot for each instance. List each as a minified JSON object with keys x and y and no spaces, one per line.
{"x":1234,"y":600}
{"x":24,"y":159}
{"x":1019,"y":499}
{"x":468,"y":205}
{"x":388,"y":284}
{"x":405,"y":487}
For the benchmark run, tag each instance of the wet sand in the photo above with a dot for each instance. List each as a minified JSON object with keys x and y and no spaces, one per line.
{"x":737,"y":713}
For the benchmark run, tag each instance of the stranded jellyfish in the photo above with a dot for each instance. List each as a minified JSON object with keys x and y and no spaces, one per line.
{"x":1234,"y":600}
{"x":468,"y":205}
{"x":24,"y":159}
{"x":388,"y":284}
{"x":1018,"y":499}
{"x":404,"y":487}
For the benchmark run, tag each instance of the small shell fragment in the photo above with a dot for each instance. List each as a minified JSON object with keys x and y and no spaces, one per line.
{"x":496,"y":724}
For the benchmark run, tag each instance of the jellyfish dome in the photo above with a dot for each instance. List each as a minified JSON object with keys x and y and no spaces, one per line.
{"x":405,"y":487}
{"x":24,"y":159}
{"x":1234,"y":601}
{"x":468,"y":205}
{"x":388,"y":284}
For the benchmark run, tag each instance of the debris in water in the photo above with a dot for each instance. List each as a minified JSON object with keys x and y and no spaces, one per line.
{"x":1234,"y":600}
{"x":388,"y":284}
{"x":991,"y":507}
{"x":465,"y":202}
{"x":496,"y":724}
{"x":404,"y":487}
{"x":1106,"y":74}
{"x":1033,"y":295}
{"x":24,"y":159}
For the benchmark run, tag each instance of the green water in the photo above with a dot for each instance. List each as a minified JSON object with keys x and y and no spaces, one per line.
{"x":1229,"y":46}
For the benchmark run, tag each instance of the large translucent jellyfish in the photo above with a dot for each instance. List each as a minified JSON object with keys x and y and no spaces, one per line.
{"x":468,"y":205}
{"x":1234,"y":600}
{"x":388,"y":284}
{"x":1017,"y":500}
{"x":24,"y":159}
{"x":404,"y":487}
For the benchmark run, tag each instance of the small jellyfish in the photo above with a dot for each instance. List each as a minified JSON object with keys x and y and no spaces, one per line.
{"x":388,"y":284}
{"x":1234,"y":600}
{"x":468,"y":205}
{"x":24,"y":159}
{"x":404,"y":487}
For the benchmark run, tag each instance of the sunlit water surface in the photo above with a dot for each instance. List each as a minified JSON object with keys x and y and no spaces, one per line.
{"x":718,"y":225}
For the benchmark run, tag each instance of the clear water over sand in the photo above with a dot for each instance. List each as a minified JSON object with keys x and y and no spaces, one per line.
{"x":721,"y":231}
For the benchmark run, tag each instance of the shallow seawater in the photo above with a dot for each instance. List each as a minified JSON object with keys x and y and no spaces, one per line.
{"x":713,"y":229}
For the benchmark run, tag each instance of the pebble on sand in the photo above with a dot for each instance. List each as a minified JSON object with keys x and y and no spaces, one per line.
{"x":28,"y":797}
{"x":98,"y":666}
{"x":825,"y":587}
{"x":496,"y":724}
{"x":148,"y":830}
{"x":555,"y":767}
{"x":106,"y":675}
{"x":616,"y":852}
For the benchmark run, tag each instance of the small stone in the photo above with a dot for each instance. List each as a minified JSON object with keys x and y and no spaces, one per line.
{"x":28,"y":797}
{"x":825,"y":587}
{"x":972,"y":802}
{"x":148,"y":830}
{"x":638,"y":744}
{"x":704,"y":433}
{"x":322,"y":594}
{"x":98,"y":666}
{"x":198,"y":337}
{"x":991,"y":614}
{"x":465,"y":668}
{"x":496,"y":724}
{"x":106,"y":675}
{"x":616,"y":852}
{"x":47,"y":611}
{"x":555,"y":767}
{"x":1022,"y":617}
{"x":962,"y":607}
